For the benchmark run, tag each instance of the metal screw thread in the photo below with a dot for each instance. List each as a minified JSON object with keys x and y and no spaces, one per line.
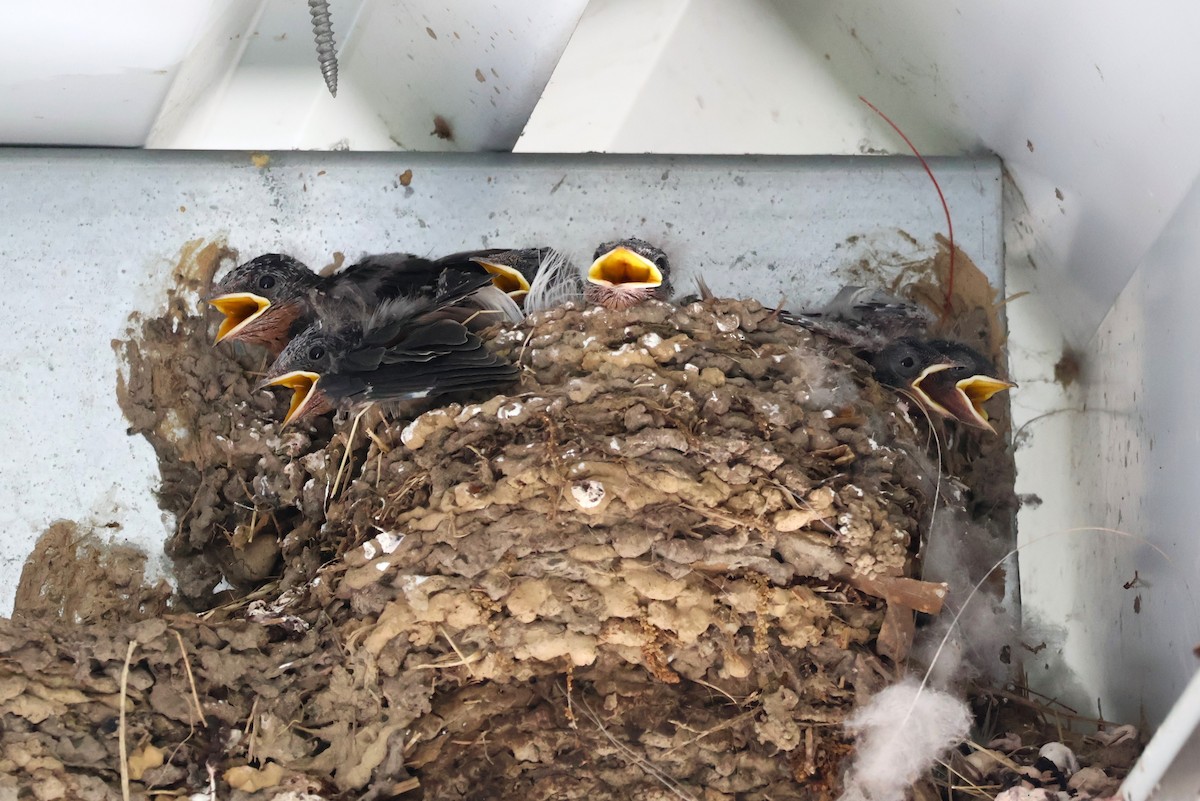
{"x":326,"y":48}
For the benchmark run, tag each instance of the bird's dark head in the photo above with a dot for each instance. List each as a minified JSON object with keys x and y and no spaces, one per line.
{"x":627,"y":272}
{"x":309,"y":357}
{"x":262,"y":298}
{"x":968,"y":360}
{"x":907,"y":362}
{"x":512,"y":271}
{"x":967,"y":384}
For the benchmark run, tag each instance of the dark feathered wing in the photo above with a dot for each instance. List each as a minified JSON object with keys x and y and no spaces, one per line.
{"x":399,"y":362}
{"x":853,"y":335}
{"x":387,"y":276}
{"x":452,"y":286}
{"x":462,"y":296}
{"x":864,"y":317}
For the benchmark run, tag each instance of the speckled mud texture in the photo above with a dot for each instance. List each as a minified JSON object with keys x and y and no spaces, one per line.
{"x":214,"y":437}
{"x":666,"y":564}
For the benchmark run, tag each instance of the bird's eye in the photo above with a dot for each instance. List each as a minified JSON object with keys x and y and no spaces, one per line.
{"x":316,"y":353}
{"x":266,"y":282}
{"x":908,"y":362}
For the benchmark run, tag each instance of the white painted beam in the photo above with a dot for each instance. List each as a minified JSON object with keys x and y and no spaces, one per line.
{"x":477,"y":64}
{"x":696,"y":76}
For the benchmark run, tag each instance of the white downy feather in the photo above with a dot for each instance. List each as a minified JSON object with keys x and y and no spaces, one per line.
{"x":492,"y":299}
{"x":558,"y":281}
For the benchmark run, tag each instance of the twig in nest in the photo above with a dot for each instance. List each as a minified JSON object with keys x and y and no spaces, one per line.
{"x":970,"y":787}
{"x":570,"y":686}
{"x":353,"y":637}
{"x":712,"y":514}
{"x":460,"y":662}
{"x":1042,"y":708}
{"x":461,"y":658}
{"x":337,"y":480}
{"x":251,"y":728}
{"x":187,"y":667}
{"x":403,"y":787}
{"x":714,"y":687}
{"x":411,"y":744}
{"x":809,"y":766}
{"x":996,"y":755}
{"x":187,"y":512}
{"x":798,"y":501}
{"x":264,"y":591}
{"x":410,"y":486}
{"x":524,"y":346}
{"x":636,"y":758}
{"x":122,"y":749}
{"x":1011,"y":298}
{"x":181,"y":744}
{"x":212,"y":780}
{"x":1050,"y":700}
{"x":555,"y":465}
{"x":480,"y":313}
{"x":380,"y":444}
{"x":482,"y":742}
{"x":719,"y":727}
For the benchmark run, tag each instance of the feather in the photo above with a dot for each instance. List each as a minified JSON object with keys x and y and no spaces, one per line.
{"x":403,"y":379}
{"x":863,"y":317}
{"x":454,"y":284}
{"x":557,"y":282}
{"x":495,"y":306}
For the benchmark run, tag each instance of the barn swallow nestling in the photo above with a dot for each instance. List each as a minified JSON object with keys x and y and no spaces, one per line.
{"x":264,"y":299}
{"x":393,"y":357}
{"x":907,"y":362}
{"x":963,"y":388}
{"x":269,"y":299}
{"x":946,"y":378}
{"x":627,"y":272}
{"x":864,"y":317}
{"x":513,"y":271}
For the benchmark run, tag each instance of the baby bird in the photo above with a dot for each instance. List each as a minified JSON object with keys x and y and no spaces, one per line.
{"x":627,"y":272}
{"x":271,"y":298}
{"x":513,"y":271}
{"x":403,"y":351}
{"x":961,"y":390}
{"x":946,"y":378}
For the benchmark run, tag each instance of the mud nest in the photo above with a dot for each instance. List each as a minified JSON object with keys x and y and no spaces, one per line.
{"x":656,"y":568}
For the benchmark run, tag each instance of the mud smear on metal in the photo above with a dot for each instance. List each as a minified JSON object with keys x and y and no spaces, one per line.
{"x":193,"y":403}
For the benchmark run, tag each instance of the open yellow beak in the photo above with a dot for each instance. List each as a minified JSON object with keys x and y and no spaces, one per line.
{"x":933,"y":405}
{"x":979,"y":389}
{"x":239,"y":309}
{"x":622,"y":266}
{"x":302,"y":384}
{"x":506,"y":279}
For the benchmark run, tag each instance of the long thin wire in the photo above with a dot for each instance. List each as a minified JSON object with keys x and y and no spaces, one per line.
{"x":936,"y":185}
